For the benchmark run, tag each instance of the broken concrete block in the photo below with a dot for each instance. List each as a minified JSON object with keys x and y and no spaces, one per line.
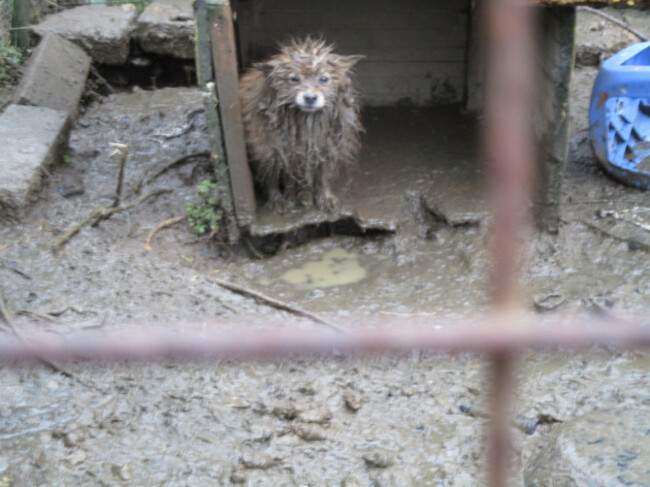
{"x":103,"y":32}
{"x":167,"y":27}
{"x":55,"y":76}
{"x":32,"y":138}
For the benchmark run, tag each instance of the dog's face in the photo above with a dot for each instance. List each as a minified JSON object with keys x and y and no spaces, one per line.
{"x":307,"y":75}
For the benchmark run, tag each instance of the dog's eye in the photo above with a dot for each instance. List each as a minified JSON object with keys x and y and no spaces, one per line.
{"x":324,"y":79}
{"x":295,"y":79}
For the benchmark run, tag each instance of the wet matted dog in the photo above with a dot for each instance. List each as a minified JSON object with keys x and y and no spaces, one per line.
{"x":301,"y":119}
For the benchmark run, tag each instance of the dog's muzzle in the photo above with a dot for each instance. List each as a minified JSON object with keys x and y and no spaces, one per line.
{"x":309,"y":101}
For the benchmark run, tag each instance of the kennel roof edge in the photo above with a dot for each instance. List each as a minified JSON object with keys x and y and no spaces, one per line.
{"x":595,"y":3}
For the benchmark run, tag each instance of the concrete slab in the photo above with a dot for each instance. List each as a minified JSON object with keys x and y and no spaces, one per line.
{"x":166,"y":27}
{"x":422,"y":155}
{"x":31,"y":140}
{"x":103,"y":32}
{"x":456,"y":193}
{"x":55,"y":76}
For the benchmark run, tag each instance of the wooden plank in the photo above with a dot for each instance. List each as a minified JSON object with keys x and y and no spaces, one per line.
{"x":226,"y":80}
{"x":205,"y":75}
{"x":556,"y":59}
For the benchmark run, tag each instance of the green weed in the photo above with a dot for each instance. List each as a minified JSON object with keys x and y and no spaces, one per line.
{"x":11,"y":58}
{"x":205,"y":216}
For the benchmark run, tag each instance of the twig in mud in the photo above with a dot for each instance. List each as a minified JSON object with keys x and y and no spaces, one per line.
{"x":275,"y":303}
{"x":614,"y":20}
{"x":95,"y":73}
{"x":37,"y":314}
{"x":167,"y":167}
{"x":160,"y":226}
{"x":16,"y":271}
{"x":6,"y":317}
{"x":121,"y":150}
{"x":407,"y":315}
{"x":251,"y":248}
{"x":103,"y":213}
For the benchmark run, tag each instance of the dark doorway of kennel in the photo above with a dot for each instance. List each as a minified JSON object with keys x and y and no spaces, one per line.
{"x":421,"y":83}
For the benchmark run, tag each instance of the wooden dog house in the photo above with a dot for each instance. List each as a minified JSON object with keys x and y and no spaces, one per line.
{"x":419,"y":54}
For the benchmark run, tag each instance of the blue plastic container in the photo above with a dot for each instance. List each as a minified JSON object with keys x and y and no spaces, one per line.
{"x":619,"y":115}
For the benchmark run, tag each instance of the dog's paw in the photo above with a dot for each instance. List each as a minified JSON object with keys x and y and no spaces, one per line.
{"x":326,"y":201}
{"x":278,"y":205}
{"x":304,"y":198}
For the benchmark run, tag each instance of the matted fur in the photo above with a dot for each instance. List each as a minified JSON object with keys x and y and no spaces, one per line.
{"x":301,"y":120}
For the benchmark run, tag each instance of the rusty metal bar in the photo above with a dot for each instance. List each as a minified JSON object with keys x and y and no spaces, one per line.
{"x":508,"y":144}
{"x":277,"y":340}
{"x":508,"y":153}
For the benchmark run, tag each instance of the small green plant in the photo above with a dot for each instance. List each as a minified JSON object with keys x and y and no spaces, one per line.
{"x":11,"y":58}
{"x":204,"y":216}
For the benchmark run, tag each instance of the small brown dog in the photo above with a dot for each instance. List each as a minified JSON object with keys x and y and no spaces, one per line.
{"x":301,"y":119}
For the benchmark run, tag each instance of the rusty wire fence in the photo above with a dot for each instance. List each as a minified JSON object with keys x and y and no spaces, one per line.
{"x":508,"y":148}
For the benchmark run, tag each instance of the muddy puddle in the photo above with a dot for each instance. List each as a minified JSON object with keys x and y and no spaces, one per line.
{"x":335,"y":421}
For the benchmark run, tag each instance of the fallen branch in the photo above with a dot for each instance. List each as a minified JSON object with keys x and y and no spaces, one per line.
{"x":6,"y":317}
{"x":103,"y":213}
{"x":122,"y":151}
{"x":160,"y":226}
{"x":275,"y":303}
{"x":616,"y":21}
{"x":95,"y":73}
{"x":178,"y":162}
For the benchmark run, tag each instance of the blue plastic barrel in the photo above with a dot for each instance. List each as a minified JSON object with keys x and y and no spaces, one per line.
{"x":619,"y":116}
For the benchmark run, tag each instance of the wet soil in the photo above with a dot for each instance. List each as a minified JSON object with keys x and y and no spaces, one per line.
{"x":335,"y":421}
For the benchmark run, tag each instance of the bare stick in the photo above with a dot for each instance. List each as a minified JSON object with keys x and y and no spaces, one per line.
{"x":100,"y":214}
{"x":6,"y":317}
{"x":616,"y":21}
{"x":277,"y":304}
{"x":160,"y":226}
{"x":95,"y":73}
{"x":109,"y":211}
{"x":251,"y":248}
{"x":122,"y":151}
{"x":167,"y":167}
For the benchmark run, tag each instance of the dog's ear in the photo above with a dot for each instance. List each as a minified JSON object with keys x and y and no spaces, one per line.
{"x":264,"y":66}
{"x":348,"y":62}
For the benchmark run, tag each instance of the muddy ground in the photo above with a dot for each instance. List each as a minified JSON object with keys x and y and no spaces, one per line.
{"x":335,"y":421}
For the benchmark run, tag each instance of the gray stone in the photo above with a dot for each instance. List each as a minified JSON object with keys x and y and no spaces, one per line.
{"x":601,"y":449}
{"x":104,"y":32}
{"x":55,"y":76}
{"x":70,"y":185}
{"x":167,"y":27}
{"x":31,"y":140}
{"x":588,"y":54}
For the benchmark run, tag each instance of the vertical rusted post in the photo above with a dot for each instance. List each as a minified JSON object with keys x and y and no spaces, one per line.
{"x":206,"y":79}
{"x":224,"y":60}
{"x":509,"y":154}
{"x":508,"y":136}
{"x":20,"y":22}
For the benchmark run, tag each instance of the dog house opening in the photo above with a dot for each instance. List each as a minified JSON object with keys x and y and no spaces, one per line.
{"x":419,"y":142}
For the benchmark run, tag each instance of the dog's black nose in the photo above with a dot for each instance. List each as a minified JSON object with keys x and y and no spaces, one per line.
{"x":310,"y":99}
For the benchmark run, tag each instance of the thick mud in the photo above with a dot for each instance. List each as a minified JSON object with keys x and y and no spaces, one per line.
{"x":335,"y":421}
